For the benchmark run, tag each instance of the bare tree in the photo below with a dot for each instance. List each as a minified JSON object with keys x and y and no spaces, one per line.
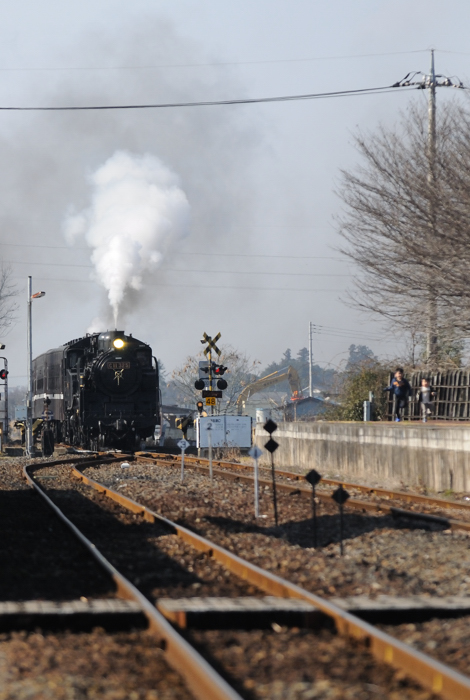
{"x":8,"y":292}
{"x":409,"y":233}
{"x":241,"y":370}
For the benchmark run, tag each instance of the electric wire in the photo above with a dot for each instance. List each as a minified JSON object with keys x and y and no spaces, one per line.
{"x":195,"y":286}
{"x":218,"y":255}
{"x":212,"y":103}
{"x":216,"y":64}
{"x":172,"y":270}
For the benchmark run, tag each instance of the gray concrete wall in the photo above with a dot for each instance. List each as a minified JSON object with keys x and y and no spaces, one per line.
{"x":394,"y":454}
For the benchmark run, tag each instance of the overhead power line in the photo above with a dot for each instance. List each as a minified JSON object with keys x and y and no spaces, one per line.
{"x":218,"y":255}
{"x":213,"y":103}
{"x":238,"y":288}
{"x":215,"y":65}
{"x":180,"y":270}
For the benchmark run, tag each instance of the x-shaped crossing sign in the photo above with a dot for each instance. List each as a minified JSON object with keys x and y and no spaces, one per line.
{"x":211,"y":343}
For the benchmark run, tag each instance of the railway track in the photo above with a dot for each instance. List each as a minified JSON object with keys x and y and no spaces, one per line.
{"x":425,"y":670}
{"x":379,"y":499}
{"x":200,"y":677}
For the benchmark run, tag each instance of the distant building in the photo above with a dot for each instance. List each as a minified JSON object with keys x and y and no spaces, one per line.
{"x":305,"y":409}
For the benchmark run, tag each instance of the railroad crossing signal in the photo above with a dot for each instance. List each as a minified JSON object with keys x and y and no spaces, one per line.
{"x":211,"y":343}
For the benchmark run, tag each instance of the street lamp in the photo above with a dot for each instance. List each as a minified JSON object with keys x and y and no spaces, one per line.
{"x":29,"y":404}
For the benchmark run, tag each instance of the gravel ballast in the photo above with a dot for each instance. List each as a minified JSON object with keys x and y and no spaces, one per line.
{"x":95,"y":666}
{"x":382,"y":554}
{"x":288,"y":664}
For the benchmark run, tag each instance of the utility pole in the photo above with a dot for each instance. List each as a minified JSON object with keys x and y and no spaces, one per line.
{"x":4,"y":375}
{"x":431,"y":337}
{"x":430,"y":82}
{"x":29,"y":402}
{"x":310,"y":360}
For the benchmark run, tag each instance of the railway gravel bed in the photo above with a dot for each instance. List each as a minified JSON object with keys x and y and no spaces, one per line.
{"x":40,"y":558}
{"x":94,"y":666}
{"x":288,"y":653}
{"x":158,"y":562}
{"x":359,"y":494}
{"x":382,"y":554}
{"x":311,"y":664}
{"x":449,"y":639}
{"x":393,"y":557}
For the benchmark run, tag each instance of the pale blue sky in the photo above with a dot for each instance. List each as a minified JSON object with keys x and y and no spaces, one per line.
{"x":259,"y":178}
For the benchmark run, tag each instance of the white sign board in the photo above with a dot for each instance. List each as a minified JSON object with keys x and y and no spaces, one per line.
{"x":226,"y":431}
{"x":182,"y":444}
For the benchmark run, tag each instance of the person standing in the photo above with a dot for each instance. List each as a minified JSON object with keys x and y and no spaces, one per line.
{"x":425,"y":396}
{"x":401,"y":390}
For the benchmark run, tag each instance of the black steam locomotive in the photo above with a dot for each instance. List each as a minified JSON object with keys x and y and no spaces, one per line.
{"x":98,"y":391}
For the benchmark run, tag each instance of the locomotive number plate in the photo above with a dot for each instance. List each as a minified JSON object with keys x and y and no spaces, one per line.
{"x":118,"y":365}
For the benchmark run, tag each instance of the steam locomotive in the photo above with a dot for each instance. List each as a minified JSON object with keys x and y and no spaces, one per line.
{"x":98,"y":391}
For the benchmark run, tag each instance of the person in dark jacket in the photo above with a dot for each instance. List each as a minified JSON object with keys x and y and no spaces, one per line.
{"x":426,"y":395}
{"x":401,"y":390}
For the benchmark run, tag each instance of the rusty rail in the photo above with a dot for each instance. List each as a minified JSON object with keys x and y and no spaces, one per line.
{"x":201,"y":678}
{"x":432,"y":674}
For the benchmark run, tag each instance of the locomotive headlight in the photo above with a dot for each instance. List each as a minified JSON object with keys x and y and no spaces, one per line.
{"x":118,"y":343}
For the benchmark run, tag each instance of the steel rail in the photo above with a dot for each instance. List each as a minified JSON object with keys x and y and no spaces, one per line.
{"x":429,"y":672}
{"x":305,"y":492}
{"x":379,"y":491}
{"x":202,"y":680}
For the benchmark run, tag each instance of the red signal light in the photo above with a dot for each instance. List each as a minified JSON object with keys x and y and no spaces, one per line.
{"x":3,"y":373}
{"x":219,"y":369}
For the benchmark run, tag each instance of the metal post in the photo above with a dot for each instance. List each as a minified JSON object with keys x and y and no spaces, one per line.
{"x":341,"y":529}
{"x":310,"y":386}
{"x":255,"y":462}
{"x":209,"y":439}
{"x":5,"y":427}
{"x":431,"y":339}
{"x":273,"y":477}
{"x":210,"y":377}
{"x":314,"y":519}
{"x":29,"y":403}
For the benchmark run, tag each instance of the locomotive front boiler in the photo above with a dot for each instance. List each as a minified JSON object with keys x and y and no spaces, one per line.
{"x":103,"y":391}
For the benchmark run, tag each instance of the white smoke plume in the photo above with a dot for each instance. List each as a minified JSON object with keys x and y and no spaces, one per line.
{"x":138,"y":210}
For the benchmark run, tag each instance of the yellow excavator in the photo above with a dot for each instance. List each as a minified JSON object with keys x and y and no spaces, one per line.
{"x":288,"y":373}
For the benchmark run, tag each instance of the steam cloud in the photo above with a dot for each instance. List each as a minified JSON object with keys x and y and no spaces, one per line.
{"x":138,"y":211}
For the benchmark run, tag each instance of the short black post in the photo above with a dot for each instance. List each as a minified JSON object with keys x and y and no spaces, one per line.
{"x":340,"y":496}
{"x":273,"y":477}
{"x":341,"y":532}
{"x":270,"y":426}
{"x":313,"y":477}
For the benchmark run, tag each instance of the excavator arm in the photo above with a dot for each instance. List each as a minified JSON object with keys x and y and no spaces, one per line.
{"x":288,"y":373}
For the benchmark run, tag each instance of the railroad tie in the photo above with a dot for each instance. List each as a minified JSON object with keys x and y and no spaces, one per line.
{"x":389,"y":609}
{"x":110,"y":613}
{"x":240,"y":613}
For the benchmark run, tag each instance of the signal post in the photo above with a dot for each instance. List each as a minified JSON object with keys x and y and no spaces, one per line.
{"x":208,"y":371}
